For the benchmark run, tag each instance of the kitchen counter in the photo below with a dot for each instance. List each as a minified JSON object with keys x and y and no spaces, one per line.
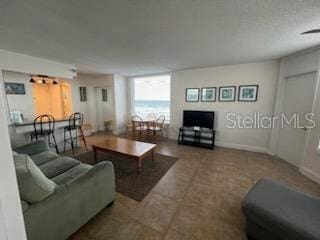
{"x":29,"y":122}
{"x":20,"y":132}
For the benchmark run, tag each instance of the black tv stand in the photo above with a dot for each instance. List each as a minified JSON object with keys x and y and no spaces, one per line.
{"x":195,"y":136}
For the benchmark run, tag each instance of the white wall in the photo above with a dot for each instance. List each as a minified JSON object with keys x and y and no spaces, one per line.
{"x":301,"y":63}
{"x":89,"y":108}
{"x":17,"y":62}
{"x":21,"y":103}
{"x":265,"y":74}
{"x":121,"y":99}
{"x":11,"y":218}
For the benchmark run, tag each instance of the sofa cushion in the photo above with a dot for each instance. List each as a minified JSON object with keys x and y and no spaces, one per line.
{"x":71,"y":174}
{"x":32,"y":148}
{"x":282,"y":211}
{"x":33,"y":184}
{"x":58,"y":166}
{"x":44,"y":157}
{"x":24,"y":205}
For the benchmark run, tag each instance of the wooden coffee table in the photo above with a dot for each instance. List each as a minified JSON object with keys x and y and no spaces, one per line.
{"x":133,"y":149}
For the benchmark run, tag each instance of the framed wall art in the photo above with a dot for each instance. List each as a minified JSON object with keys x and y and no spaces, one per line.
{"x":208,"y":94}
{"x":227,"y":94}
{"x":248,"y":93}
{"x":83,"y":94}
{"x":192,"y":94}
{"x":14,"y":88}
{"x":104,"y":95}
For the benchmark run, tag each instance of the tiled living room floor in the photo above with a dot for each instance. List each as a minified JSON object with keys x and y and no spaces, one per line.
{"x":198,"y":198}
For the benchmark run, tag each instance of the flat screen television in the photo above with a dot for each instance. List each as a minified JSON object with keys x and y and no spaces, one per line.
{"x":203,"y":119}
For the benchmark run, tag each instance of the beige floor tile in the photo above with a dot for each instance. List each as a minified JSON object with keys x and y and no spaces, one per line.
{"x":173,"y":186}
{"x":136,"y":231}
{"x":194,"y":221}
{"x":105,"y":225}
{"x":231,"y":232}
{"x":208,"y":177}
{"x":230,"y":210}
{"x":204,"y":195}
{"x":156,"y":211}
{"x":186,"y":168}
{"x":238,"y":185}
{"x":211,"y":165}
{"x":123,"y":202}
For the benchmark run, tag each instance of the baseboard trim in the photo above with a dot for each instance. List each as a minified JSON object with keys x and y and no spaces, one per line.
{"x":310,"y":174}
{"x":242,"y":147}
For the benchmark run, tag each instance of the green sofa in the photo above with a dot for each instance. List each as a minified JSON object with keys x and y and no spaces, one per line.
{"x":60,"y":194}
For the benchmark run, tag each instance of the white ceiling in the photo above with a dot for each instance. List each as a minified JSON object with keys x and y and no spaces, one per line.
{"x":136,"y":37}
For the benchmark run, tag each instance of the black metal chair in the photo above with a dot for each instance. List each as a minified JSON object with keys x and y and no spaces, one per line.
{"x":44,"y":126}
{"x":75,"y":125}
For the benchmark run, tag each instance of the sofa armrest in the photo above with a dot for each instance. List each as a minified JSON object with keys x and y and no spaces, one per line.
{"x":32,"y":148}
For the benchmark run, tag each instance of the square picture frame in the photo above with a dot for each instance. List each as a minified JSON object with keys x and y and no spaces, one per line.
{"x":208,"y":94}
{"x":227,"y":94}
{"x":104,"y":95}
{"x":192,"y":94}
{"x":83,"y":94}
{"x":248,"y":93}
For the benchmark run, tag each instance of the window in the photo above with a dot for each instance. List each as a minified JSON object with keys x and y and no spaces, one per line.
{"x":152,"y":95}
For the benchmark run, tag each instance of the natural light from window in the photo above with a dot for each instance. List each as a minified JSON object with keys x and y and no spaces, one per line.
{"x":152,"y":95}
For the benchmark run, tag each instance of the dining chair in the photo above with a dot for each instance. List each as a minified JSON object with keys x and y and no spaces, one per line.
{"x":157,"y":126}
{"x":151,"y":117}
{"x":75,"y":125}
{"x":129,"y":126}
{"x":138,"y":126}
{"x":44,"y":126}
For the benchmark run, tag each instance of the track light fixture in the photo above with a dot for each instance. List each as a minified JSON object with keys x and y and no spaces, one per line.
{"x":43,"y":79}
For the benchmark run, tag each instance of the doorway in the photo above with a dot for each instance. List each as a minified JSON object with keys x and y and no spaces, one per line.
{"x":297,"y":101}
{"x":105,"y":109}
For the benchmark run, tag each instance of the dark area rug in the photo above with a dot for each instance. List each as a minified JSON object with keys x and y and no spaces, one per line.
{"x":128,"y":182}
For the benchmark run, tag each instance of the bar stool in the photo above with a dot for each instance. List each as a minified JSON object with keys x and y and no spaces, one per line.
{"x":75,"y":124}
{"x":44,"y":126}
